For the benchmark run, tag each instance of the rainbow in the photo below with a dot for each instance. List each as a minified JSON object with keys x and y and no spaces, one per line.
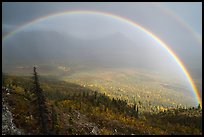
{"x":181,"y":21}
{"x":122,"y":19}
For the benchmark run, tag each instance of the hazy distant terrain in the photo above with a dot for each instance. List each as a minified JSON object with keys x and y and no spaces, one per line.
{"x":110,"y":62}
{"x":134,"y":85}
{"x":115,"y":50}
{"x":58,"y":49}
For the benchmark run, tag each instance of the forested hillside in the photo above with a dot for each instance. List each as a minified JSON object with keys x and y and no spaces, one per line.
{"x":76,"y":110}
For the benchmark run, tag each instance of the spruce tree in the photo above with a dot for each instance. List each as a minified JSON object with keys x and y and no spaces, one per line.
{"x":40,"y":106}
{"x":199,"y":106}
{"x":137,"y":112}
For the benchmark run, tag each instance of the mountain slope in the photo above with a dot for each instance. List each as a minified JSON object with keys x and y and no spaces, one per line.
{"x":81,"y":111}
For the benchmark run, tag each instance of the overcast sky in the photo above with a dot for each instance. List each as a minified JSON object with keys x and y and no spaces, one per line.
{"x":177,"y":24}
{"x":18,"y":13}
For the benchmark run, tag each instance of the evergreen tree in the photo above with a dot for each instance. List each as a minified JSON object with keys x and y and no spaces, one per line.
{"x":40,"y":106}
{"x":95,"y":95}
{"x":199,"y":107}
{"x":137,"y":112}
{"x":134,"y":107}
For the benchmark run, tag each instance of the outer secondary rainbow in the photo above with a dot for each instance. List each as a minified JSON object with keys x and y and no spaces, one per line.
{"x":181,"y":21}
{"x":125,"y":20}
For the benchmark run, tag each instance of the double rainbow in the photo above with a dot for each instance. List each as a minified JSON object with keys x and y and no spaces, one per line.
{"x":125,"y":20}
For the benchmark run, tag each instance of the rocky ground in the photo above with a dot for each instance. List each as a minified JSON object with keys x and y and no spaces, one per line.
{"x":8,"y":127}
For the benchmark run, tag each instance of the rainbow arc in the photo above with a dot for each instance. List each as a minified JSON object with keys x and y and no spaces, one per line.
{"x":125,"y":20}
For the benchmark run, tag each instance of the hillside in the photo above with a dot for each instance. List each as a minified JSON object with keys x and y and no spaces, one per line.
{"x":74,"y":109}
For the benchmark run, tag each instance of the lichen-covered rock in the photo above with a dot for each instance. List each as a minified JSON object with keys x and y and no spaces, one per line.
{"x":95,"y":130}
{"x":8,"y":127}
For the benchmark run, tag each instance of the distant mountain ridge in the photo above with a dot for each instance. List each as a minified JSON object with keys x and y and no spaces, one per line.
{"x":48,"y":46}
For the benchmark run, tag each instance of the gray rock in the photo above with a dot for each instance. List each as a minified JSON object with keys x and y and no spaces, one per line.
{"x":95,"y":130}
{"x":8,"y":127}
